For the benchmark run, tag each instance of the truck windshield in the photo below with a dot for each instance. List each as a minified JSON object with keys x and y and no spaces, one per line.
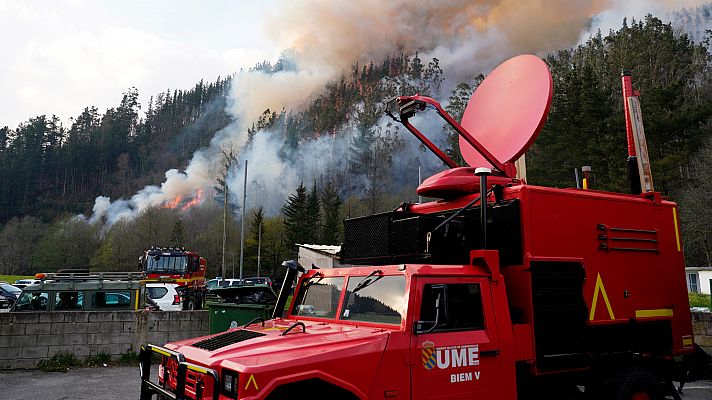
{"x":381,"y":300}
{"x":318,"y":297}
{"x":162,"y":263}
{"x":376,"y":298}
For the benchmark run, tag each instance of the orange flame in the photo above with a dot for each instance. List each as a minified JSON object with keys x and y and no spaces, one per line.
{"x":174,"y":203}
{"x":178,"y":202}
{"x":196,"y":200}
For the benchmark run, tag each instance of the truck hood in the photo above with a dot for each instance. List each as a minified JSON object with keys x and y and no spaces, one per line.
{"x":268,"y":349}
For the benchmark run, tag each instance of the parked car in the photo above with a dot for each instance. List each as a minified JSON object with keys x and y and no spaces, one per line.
{"x":22,"y":283}
{"x":8,"y":295}
{"x":84,"y":291}
{"x":165,"y":295}
{"x":259,"y":280}
{"x":221,"y":283}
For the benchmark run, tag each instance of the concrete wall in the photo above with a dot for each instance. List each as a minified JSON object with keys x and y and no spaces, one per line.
{"x":702,"y":328}
{"x":28,"y":338}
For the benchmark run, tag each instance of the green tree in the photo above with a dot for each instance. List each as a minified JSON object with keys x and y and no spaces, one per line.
{"x":252,"y":242}
{"x":67,"y":243}
{"x":295,"y":215}
{"x":177,"y":233}
{"x":331,"y":206}
{"x":313,"y":217}
{"x":456,"y":105}
{"x":18,"y":240}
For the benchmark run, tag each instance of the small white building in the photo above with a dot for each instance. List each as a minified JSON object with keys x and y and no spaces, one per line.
{"x":318,"y":255}
{"x":699,"y":279}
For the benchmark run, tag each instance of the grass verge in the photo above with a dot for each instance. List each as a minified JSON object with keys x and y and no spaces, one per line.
{"x":63,"y":362}
{"x":60,"y":362}
{"x":12,"y":278}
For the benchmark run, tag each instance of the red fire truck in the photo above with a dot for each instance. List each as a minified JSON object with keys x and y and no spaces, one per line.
{"x":498,"y":290}
{"x":176,"y":265}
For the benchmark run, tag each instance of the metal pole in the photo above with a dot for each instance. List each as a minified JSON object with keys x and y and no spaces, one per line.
{"x":578,"y":181}
{"x":420,"y":198}
{"x":259,"y":248}
{"x":242,"y":230}
{"x":483,"y":173}
{"x":224,"y":270}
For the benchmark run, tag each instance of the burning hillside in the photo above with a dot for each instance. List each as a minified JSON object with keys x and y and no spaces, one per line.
{"x":184,"y":203}
{"x":326,"y":38}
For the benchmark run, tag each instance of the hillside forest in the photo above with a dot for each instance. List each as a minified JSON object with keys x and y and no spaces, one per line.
{"x":51,"y":172}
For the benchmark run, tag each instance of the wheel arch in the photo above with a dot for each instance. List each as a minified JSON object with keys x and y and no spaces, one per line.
{"x":311,"y":381}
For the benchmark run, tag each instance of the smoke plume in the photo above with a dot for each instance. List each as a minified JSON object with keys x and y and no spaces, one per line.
{"x":467,"y":36}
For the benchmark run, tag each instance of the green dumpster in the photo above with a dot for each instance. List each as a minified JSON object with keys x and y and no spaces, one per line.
{"x":236,"y":306}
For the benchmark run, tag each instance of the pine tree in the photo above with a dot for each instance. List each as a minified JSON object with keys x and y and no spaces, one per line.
{"x":416,"y":67}
{"x":456,"y":105}
{"x":257,"y":220}
{"x":313,"y":216}
{"x":295,"y":210}
{"x":331,"y":205}
{"x":252,"y":242}
{"x":177,"y":236}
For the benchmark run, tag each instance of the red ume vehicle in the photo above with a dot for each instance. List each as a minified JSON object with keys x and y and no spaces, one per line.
{"x":541,"y":293}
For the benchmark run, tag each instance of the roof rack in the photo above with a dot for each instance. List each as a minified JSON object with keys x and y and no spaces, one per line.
{"x":168,"y":248}
{"x":93,"y":276}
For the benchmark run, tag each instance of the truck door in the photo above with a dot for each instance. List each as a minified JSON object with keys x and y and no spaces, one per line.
{"x":457,"y":357}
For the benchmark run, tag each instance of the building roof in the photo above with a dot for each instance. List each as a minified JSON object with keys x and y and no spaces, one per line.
{"x":330,"y":251}
{"x":692,"y":269}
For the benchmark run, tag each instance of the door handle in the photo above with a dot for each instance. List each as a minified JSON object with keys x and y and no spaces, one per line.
{"x":489,"y":353}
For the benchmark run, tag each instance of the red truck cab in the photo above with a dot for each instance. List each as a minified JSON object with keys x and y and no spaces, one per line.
{"x":370,"y":333}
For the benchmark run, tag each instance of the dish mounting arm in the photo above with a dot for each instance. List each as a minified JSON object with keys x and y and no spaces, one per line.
{"x":408,"y":106}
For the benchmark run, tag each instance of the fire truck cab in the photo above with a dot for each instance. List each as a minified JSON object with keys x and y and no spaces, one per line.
{"x":176,"y":265}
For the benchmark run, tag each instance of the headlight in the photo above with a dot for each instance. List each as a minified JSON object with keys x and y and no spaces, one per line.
{"x":229,"y":383}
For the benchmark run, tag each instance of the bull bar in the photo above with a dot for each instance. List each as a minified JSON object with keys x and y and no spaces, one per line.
{"x":148,"y":388}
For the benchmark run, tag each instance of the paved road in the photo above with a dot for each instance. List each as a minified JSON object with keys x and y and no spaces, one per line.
{"x":85,"y":383}
{"x":122,"y":383}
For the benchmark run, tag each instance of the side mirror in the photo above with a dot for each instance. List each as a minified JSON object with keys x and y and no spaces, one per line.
{"x":293,"y":269}
{"x":439,"y":294}
{"x":194,"y":264}
{"x":293,"y":265}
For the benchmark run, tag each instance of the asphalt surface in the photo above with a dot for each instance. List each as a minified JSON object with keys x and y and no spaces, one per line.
{"x":124,"y":383}
{"x":84,"y":383}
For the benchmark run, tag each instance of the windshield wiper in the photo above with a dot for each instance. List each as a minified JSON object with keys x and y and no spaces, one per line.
{"x":367,"y":281}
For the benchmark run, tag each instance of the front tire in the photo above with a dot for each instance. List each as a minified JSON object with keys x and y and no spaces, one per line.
{"x":633,"y":384}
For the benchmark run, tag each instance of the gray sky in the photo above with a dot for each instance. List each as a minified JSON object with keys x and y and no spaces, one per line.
{"x":58,"y":57}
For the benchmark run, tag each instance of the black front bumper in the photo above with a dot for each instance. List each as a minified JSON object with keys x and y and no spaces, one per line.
{"x":148,"y":388}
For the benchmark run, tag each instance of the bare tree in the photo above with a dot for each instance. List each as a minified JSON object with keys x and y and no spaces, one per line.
{"x":695,"y":210}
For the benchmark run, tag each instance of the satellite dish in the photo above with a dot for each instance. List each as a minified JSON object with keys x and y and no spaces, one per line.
{"x":508,"y":110}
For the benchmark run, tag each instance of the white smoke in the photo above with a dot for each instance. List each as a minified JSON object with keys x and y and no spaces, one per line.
{"x":667,"y":10}
{"x":467,"y":36}
{"x":272,"y":178}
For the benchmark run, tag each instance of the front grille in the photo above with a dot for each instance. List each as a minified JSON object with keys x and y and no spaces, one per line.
{"x":226,"y":339}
